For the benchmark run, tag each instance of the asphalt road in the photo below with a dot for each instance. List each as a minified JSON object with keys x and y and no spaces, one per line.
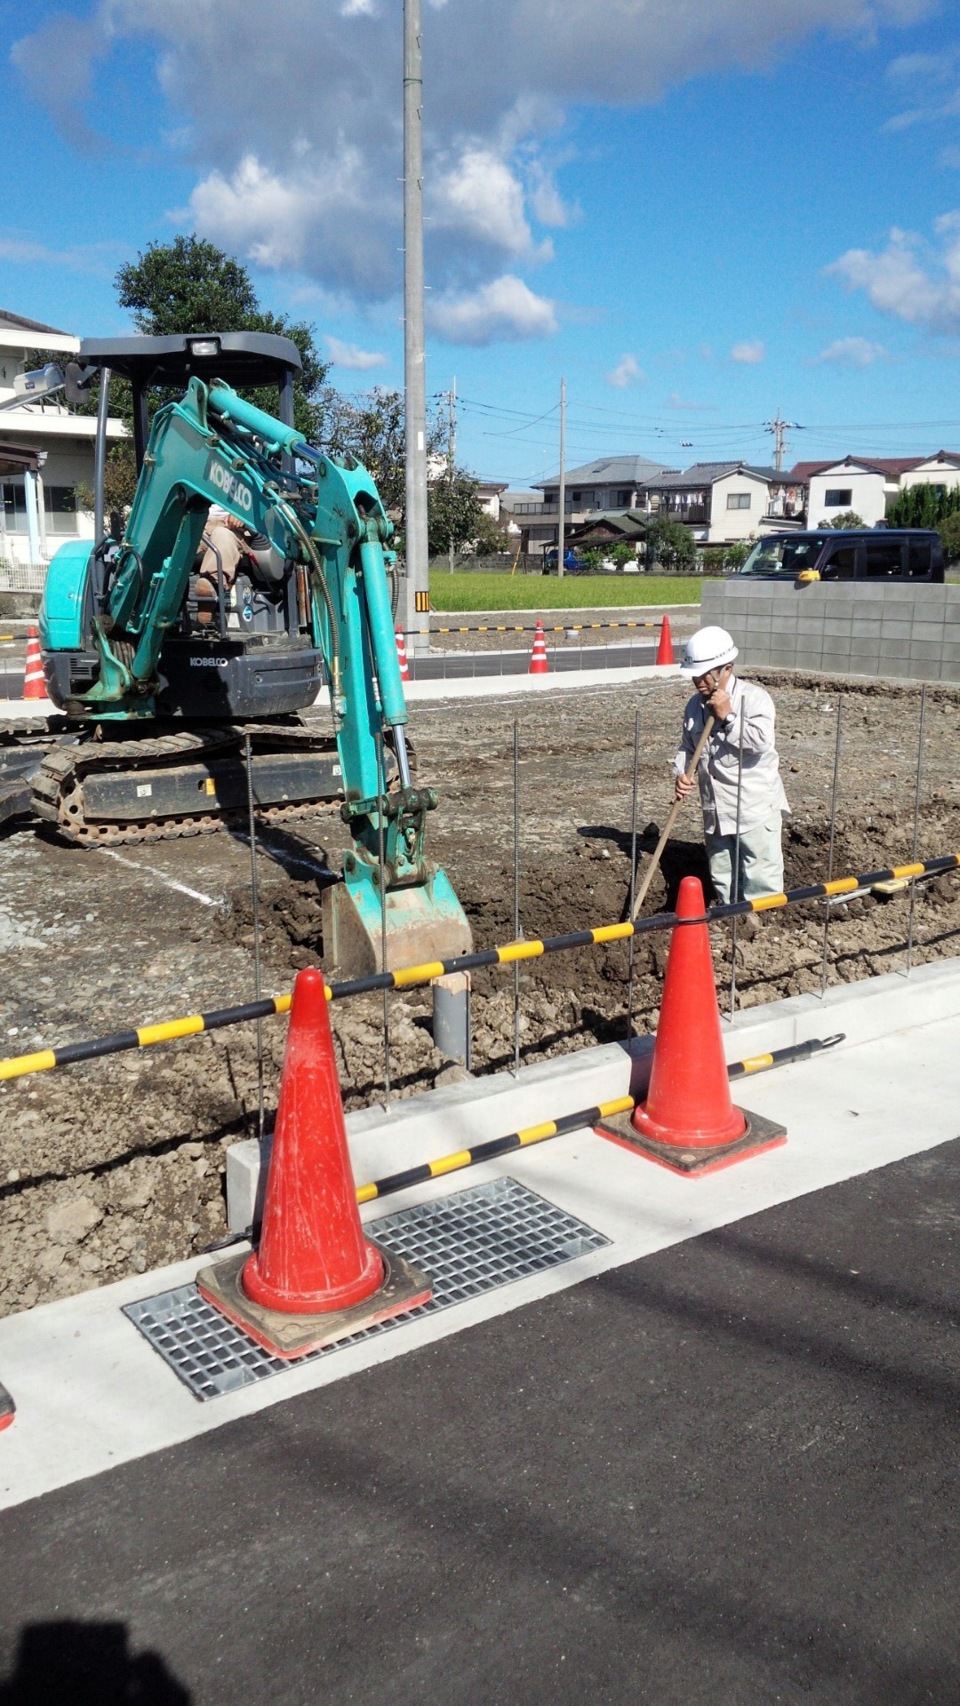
{"x":722,"y":1475}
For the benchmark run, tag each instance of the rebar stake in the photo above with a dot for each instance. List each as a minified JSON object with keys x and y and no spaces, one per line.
{"x":255,"y":900}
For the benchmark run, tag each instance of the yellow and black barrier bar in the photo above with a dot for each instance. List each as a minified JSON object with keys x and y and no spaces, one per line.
{"x":408,"y":977}
{"x":512,"y":952}
{"x":532,"y":1134}
{"x":68,"y":1054}
{"x":531,"y":628}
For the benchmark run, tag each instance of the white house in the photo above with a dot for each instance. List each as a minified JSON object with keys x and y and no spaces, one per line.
{"x":721,"y":502}
{"x":49,"y":451}
{"x":941,"y":470}
{"x":862,"y":484}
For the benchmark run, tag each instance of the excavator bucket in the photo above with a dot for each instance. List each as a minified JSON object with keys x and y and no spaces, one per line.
{"x":423,"y":923}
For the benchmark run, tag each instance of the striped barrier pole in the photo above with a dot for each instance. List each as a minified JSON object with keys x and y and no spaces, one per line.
{"x":408,"y":977}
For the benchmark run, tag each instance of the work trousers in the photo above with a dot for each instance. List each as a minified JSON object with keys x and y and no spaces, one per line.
{"x":761,"y":860}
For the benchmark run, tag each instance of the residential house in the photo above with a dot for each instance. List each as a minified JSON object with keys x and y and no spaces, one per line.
{"x":47,"y":451}
{"x":941,"y":471}
{"x":722,"y":502}
{"x":608,"y":485}
{"x":858,"y":483}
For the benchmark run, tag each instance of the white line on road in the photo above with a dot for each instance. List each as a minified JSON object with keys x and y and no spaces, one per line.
{"x":168,"y":882}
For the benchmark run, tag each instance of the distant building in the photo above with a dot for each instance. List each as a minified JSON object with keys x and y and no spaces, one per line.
{"x":724,"y":502}
{"x":863,"y":484}
{"x":608,"y":485}
{"x":45,"y":451}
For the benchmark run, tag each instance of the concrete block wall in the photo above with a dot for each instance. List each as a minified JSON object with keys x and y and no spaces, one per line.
{"x":841,"y":627}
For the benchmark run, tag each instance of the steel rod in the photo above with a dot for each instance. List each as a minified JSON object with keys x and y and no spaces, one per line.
{"x":382,"y":864}
{"x":916,"y":825}
{"x":516,"y":891}
{"x":633,"y":866}
{"x":833,"y":834}
{"x":735,"y":884}
{"x":255,"y":901}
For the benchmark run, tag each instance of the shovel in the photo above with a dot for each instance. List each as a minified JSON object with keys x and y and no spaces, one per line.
{"x":671,"y":820}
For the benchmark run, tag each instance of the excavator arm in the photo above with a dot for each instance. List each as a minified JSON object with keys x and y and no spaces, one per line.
{"x":213,"y":447}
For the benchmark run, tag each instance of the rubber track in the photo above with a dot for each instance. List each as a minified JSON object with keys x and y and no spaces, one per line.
{"x":57,"y":786}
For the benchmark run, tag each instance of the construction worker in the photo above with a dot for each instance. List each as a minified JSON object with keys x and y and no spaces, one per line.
{"x":747,"y":806}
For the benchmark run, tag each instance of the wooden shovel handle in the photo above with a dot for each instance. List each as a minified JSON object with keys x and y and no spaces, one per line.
{"x":671,"y":819}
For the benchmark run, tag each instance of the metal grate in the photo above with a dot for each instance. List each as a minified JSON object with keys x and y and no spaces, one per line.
{"x":468,"y":1243}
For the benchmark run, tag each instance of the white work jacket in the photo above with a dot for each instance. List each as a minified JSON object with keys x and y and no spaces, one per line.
{"x":761,"y":790}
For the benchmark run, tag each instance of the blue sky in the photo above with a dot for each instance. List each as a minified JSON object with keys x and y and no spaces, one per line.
{"x":699,"y":212}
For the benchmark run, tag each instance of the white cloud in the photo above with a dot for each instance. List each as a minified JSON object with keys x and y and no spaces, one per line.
{"x":350,"y":355}
{"x":291,"y":118}
{"x":852,"y":352}
{"x":909,"y":279}
{"x":505,"y":308}
{"x":626,"y":372}
{"x":483,"y":198}
{"x":750,"y":353}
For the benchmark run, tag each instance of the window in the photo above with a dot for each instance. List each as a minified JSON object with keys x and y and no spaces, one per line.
{"x":839,"y":497}
{"x":841,"y":565}
{"x":883,"y":559}
{"x":575,"y":497}
{"x":623,"y":500}
{"x":738,"y":500}
{"x":918,"y":557}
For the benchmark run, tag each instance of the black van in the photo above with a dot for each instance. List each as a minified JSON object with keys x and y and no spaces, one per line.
{"x":848,"y":554}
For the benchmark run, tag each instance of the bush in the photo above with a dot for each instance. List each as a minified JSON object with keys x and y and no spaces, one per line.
{"x":950,"y":535}
{"x":670,"y":544}
{"x":846,"y":518}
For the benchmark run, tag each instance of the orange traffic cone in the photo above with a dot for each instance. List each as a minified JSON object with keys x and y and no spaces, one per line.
{"x":8,"y":1409}
{"x":538,"y":657}
{"x":688,"y":1121}
{"x":34,"y":685}
{"x":402,"y":656}
{"x":665,"y":648}
{"x":314,"y":1277}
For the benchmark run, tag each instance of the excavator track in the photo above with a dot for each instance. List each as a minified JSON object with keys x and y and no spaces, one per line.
{"x":58,"y":786}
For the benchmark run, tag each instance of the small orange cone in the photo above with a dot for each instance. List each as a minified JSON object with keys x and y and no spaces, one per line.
{"x":665,"y":648}
{"x":688,"y":1121}
{"x":314,"y":1277}
{"x":402,"y":656}
{"x":34,"y":684}
{"x":538,"y":657}
{"x":8,"y":1409}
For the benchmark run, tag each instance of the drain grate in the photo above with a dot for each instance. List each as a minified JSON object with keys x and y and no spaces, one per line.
{"x":469,"y":1243}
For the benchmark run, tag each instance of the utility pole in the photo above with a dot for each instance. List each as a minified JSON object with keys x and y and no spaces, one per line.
{"x":417,"y":621}
{"x":779,"y":428}
{"x":451,"y":401}
{"x":563,"y":474}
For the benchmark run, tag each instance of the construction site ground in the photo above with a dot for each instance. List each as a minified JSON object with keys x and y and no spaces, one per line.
{"x":117,"y":1166}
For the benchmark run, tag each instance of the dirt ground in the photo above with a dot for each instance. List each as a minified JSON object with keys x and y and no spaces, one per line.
{"x":117,"y":1166}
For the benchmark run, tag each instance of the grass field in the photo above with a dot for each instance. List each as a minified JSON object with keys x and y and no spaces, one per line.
{"x":549,"y":592}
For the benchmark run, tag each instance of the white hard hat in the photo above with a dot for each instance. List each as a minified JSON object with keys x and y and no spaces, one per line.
{"x":707,"y":649}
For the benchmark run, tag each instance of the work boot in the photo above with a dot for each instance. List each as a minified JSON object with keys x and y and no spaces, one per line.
{"x":8,"y":1408}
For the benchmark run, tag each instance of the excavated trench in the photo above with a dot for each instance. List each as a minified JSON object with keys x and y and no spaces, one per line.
{"x":117,"y":1166}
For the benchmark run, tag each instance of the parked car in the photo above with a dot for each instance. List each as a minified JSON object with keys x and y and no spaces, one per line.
{"x":847,"y":554}
{"x":572,"y":564}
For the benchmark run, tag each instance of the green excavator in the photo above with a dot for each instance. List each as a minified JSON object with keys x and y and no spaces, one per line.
{"x":178,"y":692}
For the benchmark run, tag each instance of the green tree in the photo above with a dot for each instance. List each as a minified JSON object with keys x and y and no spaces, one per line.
{"x":670,"y":544}
{"x":454,"y":512}
{"x":847,"y":518}
{"x":950,"y":535}
{"x":190,"y":285}
{"x":371,"y":428}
